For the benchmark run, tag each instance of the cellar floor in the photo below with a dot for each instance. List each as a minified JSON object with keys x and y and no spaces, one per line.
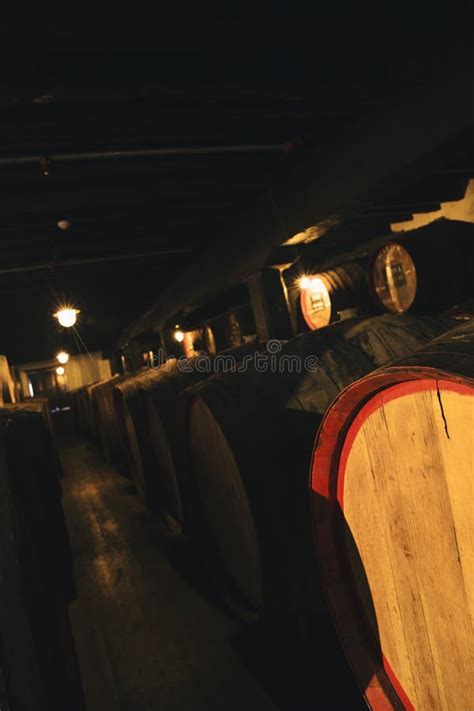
{"x":149,"y":635}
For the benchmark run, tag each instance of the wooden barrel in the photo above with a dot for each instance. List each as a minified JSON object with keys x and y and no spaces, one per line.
{"x":131,"y":418}
{"x":106,"y":423}
{"x":394,"y":278}
{"x":168,"y":414}
{"x":216,"y":336}
{"x":41,"y":405}
{"x":46,"y":411}
{"x":38,"y":662}
{"x":75,"y":406}
{"x":78,"y":404}
{"x":392,"y":495}
{"x":167,"y":439}
{"x":251,"y":438}
{"x":82,"y":403}
{"x":240,"y":326}
{"x":209,"y":339}
{"x":83,"y":409}
{"x":91,"y":424}
{"x":324,"y":296}
{"x":7,"y":385}
{"x":160,"y":400}
{"x":193,"y":342}
{"x":461,"y":312}
{"x":39,"y":463}
{"x":426,"y":270}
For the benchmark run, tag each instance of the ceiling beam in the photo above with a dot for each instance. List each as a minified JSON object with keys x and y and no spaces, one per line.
{"x":94,"y":260}
{"x":176,"y":151}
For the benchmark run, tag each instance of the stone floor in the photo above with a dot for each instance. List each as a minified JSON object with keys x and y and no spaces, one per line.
{"x":148,"y":632}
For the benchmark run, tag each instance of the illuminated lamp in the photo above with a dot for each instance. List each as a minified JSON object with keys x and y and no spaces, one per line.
{"x":315,"y":302}
{"x":67,"y":317}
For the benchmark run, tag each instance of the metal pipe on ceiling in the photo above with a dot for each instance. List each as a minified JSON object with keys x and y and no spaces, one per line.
{"x":146,"y":153}
{"x":94,"y":260}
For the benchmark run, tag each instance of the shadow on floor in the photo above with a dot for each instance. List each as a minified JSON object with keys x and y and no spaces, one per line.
{"x":185,"y":559}
{"x":297,"y":675}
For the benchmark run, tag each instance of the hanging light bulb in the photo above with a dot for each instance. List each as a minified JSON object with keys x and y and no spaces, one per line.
{"x":67,"y":317}
{"x":179,"y":336}
{"x":60,"y":370}
{"x":62,"y":357}
{"x":304,"y":282}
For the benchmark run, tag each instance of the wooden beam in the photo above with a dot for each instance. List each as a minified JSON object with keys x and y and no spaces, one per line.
{"x":269,"y":301}
{"x":93,"y":260}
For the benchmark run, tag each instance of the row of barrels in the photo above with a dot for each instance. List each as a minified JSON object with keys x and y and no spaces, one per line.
{"x":222,"y":448}
{"x":403,"y":275}
{"x":38,"y":663}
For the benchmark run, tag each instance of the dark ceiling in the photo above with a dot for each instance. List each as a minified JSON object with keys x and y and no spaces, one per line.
{"x":151,"y":134}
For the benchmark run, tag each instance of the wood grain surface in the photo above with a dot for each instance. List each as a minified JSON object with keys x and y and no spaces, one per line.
{"x":408,"y":497}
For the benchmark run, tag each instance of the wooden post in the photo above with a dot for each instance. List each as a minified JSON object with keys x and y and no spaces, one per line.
{"x":269,"y":300}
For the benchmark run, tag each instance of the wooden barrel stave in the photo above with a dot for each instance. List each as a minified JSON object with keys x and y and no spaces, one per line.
{"x":424,"y":652}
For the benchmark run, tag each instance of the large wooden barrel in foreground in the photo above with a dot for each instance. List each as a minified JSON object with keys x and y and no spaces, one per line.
{"x":39,"y":666}
{"x":251,"y":439}
{"x":393,"y":502}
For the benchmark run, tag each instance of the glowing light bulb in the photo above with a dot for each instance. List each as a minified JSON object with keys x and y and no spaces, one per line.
{"x":304,"y":282}
{"x":60,"y":370}
{"x":179,"y":336}
{"x":316,"y":285}
{"x":63,"y":357}
{"x":67,"y":317}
